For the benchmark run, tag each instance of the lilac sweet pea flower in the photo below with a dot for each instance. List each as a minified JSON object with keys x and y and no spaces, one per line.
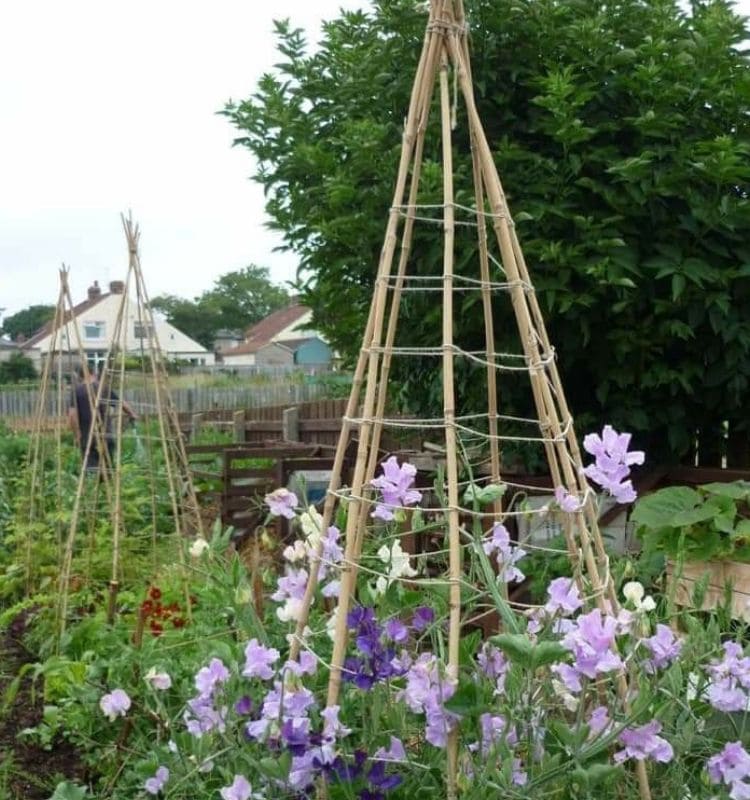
{"x":115,"y":704}
{"x":568,"y":502}
{"x":207,"y":678}
{"x":564,"y":597}
{"x":156,"y":784}
{"x":664,"y":648}
{"x":642,"y":743}
{"x":258,"y":661}
{"x":732,"y":767}
{"x":729,"y":689}
{"x":423,"y":618}
{"x":240,"y":789}
{"x":281,"y":503}
{"x":395,"y":487}
{"x":395,"y":752}
{"x":507,"y":555}
{"x":591,"y":641}
{"x":613,"y":462}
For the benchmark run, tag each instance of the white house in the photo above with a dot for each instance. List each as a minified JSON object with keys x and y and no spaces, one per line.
{"x":96,"y":321}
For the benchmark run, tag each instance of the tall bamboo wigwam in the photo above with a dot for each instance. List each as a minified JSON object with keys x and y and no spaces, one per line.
{"x":444,"y":63}
{"x":165,"y":449}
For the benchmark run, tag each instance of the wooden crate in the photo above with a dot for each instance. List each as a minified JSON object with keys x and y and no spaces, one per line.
{"x":721,"y":574}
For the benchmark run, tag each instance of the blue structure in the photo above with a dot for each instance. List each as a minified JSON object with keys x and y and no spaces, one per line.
{"x":309,"y":352}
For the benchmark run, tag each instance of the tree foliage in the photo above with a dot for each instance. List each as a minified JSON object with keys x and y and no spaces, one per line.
{"x":237,"y":300}
{"x":27,"y":321}
{"x":17,"y":368}
{"x":621,"y":134}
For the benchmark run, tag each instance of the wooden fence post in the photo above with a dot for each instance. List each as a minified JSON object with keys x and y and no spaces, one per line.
{"x":290,"y":424}
{"x":196,"y":422}
{"x":238,"y":419}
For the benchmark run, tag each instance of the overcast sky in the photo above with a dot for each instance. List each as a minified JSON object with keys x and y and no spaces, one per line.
{"x":106,"y":107}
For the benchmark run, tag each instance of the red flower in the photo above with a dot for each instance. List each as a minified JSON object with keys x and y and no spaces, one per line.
{"x":179,"y":622}
{"x":147,"y":608}
{"x":155,"y":593}
{"x":156,"y":628}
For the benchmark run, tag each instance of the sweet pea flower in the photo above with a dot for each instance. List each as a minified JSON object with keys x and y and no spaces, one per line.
{"x":732,"y":767}
{"x":507,"y":555}
{"x":642,"y":743}
{"x":634,"y":592}
{"x":395,"y":487}
{"x":395,"y":752}
{"x":199,"y":547}
{"x":613,"y":462}
{"x":156,"y":784}
{"x":564,"y":597}
{"x":398,"y":566}
{"x":115,"y":704}
{"x":568,"y":502}
{"x":239,"y":789}
{"x":281,"y":503}
{"x":208,"y":678}
{"x":158,"y":680}
{"x":258,"y":661}
{"x":664,"y":647}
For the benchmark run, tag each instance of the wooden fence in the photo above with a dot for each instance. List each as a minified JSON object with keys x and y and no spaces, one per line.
{"x":24,"y":403}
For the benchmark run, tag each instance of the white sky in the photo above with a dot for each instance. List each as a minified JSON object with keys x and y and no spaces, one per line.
{"x":106,"y":107}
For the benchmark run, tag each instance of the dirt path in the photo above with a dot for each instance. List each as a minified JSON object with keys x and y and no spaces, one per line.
{"x":27,"y":772}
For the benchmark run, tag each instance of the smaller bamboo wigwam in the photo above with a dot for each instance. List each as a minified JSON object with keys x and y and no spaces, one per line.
{"x":500,"y":274}
{"x":150,"y":532}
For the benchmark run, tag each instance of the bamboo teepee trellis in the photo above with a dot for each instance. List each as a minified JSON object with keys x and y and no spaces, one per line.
{"x":166,"y":449}
{"x":445,"y":56}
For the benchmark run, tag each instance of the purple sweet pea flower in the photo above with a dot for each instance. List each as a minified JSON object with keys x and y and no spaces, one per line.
{"x":115,"y":704}
{"x":258,"y":661}
{"x":423,"y":618}
{"x":568,"y":502}
{"x":239,"y":789}
{"x":664,"y":648}
{"x":209,"y":677}
{"x":613,"y":462}
{"x":396,"y":631}
{"x":396,"y":752}
{"x":564,"y":597}
{"x":729,"y":688}
{"x":507,"y":555}
{"x":599,"y":720}
{"x":156,"y":784}
{"x":642,"y":743}
{"x":591,"y":641}
{"x":244,"y":706}
{"x":732,"y":767}
{"x":281,"y":503}
{"x":395,"y":487}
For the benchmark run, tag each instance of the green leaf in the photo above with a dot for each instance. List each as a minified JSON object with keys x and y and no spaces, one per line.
{"x":69,"y":791}
{"x":661,"y":508}
{"x":595,"y":774}
{"x":467,"y":700}
{"x":738,"y":490}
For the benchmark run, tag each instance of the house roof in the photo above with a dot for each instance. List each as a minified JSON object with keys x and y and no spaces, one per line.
{"x":252,"y":347}
{"x":69,"y":315}
{"x":276,"y":322}
{"x":6,"y":344}
{"x":295,"y":344}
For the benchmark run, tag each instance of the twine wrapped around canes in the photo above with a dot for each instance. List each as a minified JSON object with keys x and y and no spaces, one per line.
{"x":445,"y":55}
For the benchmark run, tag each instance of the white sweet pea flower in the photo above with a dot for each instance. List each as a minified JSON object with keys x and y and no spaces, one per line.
{"x":634,"y":592}
{"x":198,"y":547}
{"x":399,"y":566}
{"x":157,"y":680}
{"x":312,"y":525}
{"x":295,"y":552}
{"x":331,"y":624}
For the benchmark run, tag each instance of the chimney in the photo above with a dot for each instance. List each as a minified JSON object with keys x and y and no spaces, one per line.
{"x":94,"y":291}
{"x":116,"y":287}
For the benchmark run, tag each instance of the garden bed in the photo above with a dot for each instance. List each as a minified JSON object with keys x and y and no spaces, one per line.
{"x":714,"y":583}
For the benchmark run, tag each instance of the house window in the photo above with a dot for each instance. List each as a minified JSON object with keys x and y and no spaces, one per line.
{"x":143,"y":330}
{"x":94,"y":330}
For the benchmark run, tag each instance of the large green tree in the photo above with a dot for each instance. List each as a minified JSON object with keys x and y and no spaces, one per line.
{"x":236,"y":301}
{"x":27,"y":321}
{"x":621,"y":133}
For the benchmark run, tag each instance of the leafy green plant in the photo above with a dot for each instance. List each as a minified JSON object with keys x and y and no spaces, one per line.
{"x":710,"y":522}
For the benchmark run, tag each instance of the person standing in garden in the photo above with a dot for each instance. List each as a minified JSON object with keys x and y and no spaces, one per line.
{"x":81,"y":418}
